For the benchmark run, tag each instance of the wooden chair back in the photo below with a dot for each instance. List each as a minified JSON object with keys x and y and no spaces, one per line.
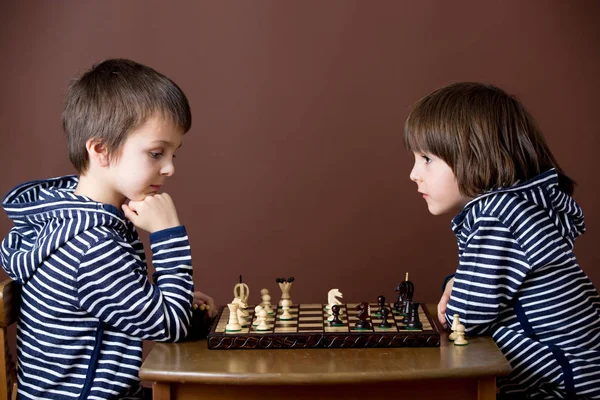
{"x":10,"y":301}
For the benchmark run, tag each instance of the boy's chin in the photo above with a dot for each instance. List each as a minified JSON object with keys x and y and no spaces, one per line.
{"x":141,"y":197}
{"x":437,"y":211}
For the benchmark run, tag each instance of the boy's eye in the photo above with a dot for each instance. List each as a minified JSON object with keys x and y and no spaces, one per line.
{"x":155,"y":154}
{"x":427,"y":159}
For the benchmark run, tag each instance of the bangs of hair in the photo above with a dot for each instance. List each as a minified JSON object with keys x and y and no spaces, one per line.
{"x":484,"y":135}
{"x":432,"y":127}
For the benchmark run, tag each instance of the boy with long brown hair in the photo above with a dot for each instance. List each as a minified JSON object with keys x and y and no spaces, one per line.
{"x":479,"y":153}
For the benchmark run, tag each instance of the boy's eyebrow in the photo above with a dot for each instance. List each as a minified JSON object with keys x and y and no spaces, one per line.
{"x":167,"y":142}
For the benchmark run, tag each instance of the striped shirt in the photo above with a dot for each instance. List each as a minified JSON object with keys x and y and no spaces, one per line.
{"x":87,"y":303}
{"x":518,"y":280}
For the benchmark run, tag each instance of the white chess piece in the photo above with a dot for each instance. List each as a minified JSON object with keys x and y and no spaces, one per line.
{"x":332,"y":300}
{"x":460,"y":336}
{"x":455,"y":323}
{"x":285,"y":306}
{"x":257,"y":310}
{"x":233,"y":324}
{"x":332,"y":297}
{"x":241,"y":291}
{"x":262,"y":325}
{"x":266,"y":301}
{"x":242,"y":313}
{"x":285,"y":287}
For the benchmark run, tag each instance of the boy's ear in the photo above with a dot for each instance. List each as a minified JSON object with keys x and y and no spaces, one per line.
{"x":97,"y":152}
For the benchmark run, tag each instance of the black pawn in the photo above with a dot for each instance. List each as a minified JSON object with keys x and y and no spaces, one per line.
{"x":381,"y":303}
{"x":336,"y":321}
{"x":384,"y":314}
{"x":412,"y":319}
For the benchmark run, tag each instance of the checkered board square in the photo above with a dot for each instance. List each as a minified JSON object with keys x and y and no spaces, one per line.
{"x":309,"y":327}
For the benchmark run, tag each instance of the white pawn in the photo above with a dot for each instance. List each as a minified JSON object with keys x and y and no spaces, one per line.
{"x":262,"y":325}
{"x":257,"y":310}
{"x":455,"y":323}
{"x":460,"y":336}
{"x":266,"y":300}
{"x":285,"y":306}
{"x":233,"y":324}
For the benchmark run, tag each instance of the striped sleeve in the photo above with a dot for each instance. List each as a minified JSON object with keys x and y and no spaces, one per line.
{"x":492,"y":267}
{"x":113,"y":286}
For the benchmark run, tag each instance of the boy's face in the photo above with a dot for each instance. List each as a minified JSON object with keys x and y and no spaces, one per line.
{"x":437,"y":183}
{"x":145,"y":160}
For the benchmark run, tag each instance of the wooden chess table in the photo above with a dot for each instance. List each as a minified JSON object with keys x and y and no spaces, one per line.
{"x":190,"y":370}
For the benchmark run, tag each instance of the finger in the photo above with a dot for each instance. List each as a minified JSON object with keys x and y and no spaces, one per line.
{"x":129,"y":213}
{"x":442,"y":319}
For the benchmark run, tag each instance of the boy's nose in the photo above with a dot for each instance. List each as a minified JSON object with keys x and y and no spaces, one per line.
{"x":168,"y":169}
{"x":414,"y":175}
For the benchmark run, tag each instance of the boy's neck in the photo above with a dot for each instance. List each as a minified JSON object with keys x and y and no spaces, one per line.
{"x":97,"y":190}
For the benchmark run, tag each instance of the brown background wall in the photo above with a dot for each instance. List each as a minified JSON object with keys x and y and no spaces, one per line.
{"x":294,"y":165}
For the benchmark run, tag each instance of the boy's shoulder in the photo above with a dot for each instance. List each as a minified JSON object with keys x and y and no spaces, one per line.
{"x":89,"y":239}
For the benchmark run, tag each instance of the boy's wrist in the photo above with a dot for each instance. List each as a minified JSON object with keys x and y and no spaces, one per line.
{"x":167,"y":233}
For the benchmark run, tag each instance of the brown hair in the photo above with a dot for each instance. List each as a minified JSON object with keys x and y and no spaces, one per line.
{"x":113,"y":98}
{"x":485,"y":135}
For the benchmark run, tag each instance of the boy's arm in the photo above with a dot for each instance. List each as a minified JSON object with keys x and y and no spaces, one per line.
{"x":114,"y":287}
{"x":491,"y":270}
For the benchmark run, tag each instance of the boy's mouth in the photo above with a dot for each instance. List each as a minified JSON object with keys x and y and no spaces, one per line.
{"x":156,"y":188}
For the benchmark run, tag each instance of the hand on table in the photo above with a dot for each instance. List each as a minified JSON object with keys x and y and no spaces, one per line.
{"x":442,"y":305}
{"x":201,"y":298}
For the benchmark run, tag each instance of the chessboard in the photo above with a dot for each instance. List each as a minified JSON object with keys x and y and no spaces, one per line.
{"x":309,"y":328}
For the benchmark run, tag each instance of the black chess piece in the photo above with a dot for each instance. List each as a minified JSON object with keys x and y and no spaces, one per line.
{"x":381,"y":303}
{"x":406,"y":290}
{"x":406,"y":307}
{"x":362,"y":316}
{"x":401,"y":289}
{"x":412,"y":319}
{"x":336,"y":321}
{"x":384,"y":322}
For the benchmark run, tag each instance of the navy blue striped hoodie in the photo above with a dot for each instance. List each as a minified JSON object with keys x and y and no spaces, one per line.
{"x":519,"y":281}
{"x":87,"y":303}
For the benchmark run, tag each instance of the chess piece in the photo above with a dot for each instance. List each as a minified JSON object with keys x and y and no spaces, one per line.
{"x":332,"y":298}
{"x":243,"y":314}
{"x":460,"y":336}
{"x":335,"y":314}
{"x":384,"y":322}
{"x":256,"y":311}
{"x":455,"y":323}
{"x":381,"y":303}
{"x":266,"y":301}
{"x":406,"y":291}
{"x":262,"y":324}
{"x":241,"y":291}
{"x":233,"y":324}
{"x":412,"y":320}
{"x":407,"y":307}
{"x":363,"y":314}
{"x":285,"y":285}
{"x":286,"y":316}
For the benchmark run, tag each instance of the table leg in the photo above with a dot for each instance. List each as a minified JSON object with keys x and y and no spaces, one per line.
{"x":161,"y":391}
{"x":486,"y":388}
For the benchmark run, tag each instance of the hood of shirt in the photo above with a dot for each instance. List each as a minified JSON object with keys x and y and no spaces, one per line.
{"x":46,"y":215}
{"x":543,"y":190}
